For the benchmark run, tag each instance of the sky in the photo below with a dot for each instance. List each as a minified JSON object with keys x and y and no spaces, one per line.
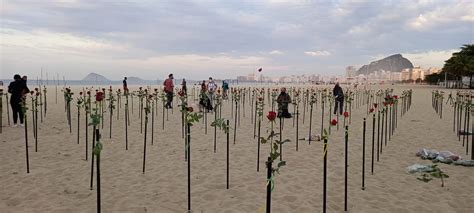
{"x":224,"y":38}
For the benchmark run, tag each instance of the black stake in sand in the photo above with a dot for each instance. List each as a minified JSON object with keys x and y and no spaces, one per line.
{"x":269,"y":184}
{"x":346,"y":147}
{"x":363,"y":155}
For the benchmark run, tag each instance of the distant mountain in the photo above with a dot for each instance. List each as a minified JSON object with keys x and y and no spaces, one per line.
{"x":95,"y":77}
{"x":394,"y":63}
{"x":134,"y":79}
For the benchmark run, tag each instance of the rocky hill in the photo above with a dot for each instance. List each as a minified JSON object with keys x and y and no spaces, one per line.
{"x":95,"y":77}
{"x":394,"y":63}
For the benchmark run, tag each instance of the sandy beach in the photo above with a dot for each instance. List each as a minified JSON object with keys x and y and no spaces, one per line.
{"x":59,"y":174}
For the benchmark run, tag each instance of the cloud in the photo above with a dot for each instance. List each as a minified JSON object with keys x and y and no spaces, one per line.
{"x":117,"y":36}
{"x":318,"y":53}
{"x":275,"y":52}
{"x":432,"y":58}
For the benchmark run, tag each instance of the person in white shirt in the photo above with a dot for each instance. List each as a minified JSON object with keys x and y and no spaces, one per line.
{"x":211,"y":88}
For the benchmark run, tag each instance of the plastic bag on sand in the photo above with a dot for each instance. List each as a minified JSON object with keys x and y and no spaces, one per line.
{"x":420,"y":168}
{"x":448,"y":154}
{"x":442,"y":160}
{"x":427,"y":154}
{"x":464,"y":162}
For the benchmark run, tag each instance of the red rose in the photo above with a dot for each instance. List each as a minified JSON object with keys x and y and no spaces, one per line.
{"x":260,"y":99}
{"x":80,"y":93}
{"x":384,"y":103}
{"x":181,"y":93}
{"x":395,"y":96}
{"x":36,"y":89}
{"x":375,"y":105}
{"x":371,"y":110}
{"x":37,"y":93}
{"x":89,"y":92}
{"x":271,"y":115}
{"x":190,"y":109}
{"x":334,"y":122}
{"x":346,"y":114}
{"x":32,"y":92}
{"x":99,"y":96}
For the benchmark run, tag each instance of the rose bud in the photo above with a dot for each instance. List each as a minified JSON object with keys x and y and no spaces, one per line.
{"x":99,"y":96}
{"x":80,"y":93}
{"x":371,"y":110}
{"x":375,"y":105}
{"x":32,"y":92}
{"x":334,"y":122}
{"x":88,"y":92}
{"x":260,"y":99}
{"x":36,"y":89}
{"x":346,"y":114}
{"x":190,"y":109}
{"x":271,"y":115}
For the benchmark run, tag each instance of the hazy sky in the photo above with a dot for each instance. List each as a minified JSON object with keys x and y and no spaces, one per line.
{"x":224,"y":38}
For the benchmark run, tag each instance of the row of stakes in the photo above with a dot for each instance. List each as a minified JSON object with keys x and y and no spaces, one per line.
{"x":383,"y":115}
{"x":462,"y":106}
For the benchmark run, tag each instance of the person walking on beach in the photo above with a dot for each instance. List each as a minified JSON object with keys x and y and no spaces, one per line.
{"x":225,"y":88}
{"x":169,"y":88}
{"x":125,"y":86}
{"x":339,"y":97}
{"x":211,"y":87}
{"x":184,"y":87}
{"x":283,"y":100}
{"x":18,"y":89}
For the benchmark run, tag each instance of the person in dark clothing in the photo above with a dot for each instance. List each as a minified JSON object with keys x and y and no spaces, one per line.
{"x":125,"y":85}
{"x":204,"y":101}
{"x":283,"y":100}
{"x":225,"y":88}
{"x":339,"y":97}
{"x":18,"y":89}
{"x":184,"y":87}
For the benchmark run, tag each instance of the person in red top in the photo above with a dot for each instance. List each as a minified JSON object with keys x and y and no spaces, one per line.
{"x":169,"y":88}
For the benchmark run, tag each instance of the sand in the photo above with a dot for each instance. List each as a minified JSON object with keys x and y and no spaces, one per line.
{"x":59,"y":174}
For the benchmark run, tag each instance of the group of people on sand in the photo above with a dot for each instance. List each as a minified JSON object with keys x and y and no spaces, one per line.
{"x":284,"y":100}
{"x":18,"y":89}
{"x":209,"y":88}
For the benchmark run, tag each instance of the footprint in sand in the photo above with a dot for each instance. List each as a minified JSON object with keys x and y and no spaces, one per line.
{"x":289,"y":198}
{"x":13,"y":202}
{"x":209,"y":197}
